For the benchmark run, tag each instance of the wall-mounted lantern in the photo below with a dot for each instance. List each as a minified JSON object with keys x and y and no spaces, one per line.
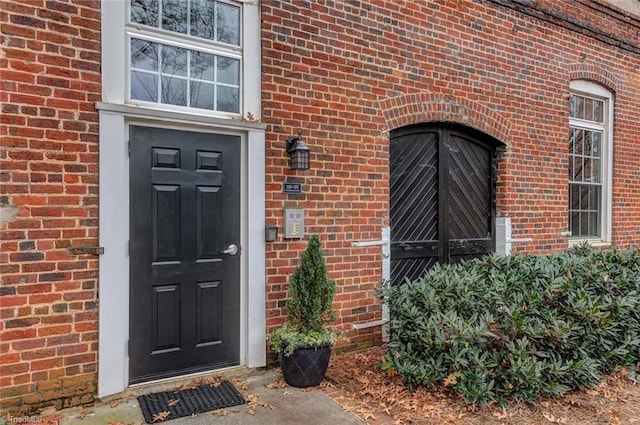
{"x":298,"y":152}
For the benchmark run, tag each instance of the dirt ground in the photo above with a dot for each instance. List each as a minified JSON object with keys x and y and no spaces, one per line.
{"x":356,"y":382}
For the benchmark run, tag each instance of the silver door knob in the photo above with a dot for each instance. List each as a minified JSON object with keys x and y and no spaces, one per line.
{"x":231,"y":250}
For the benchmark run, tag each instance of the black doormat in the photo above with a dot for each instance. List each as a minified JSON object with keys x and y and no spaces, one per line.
{"x":169,"y":405}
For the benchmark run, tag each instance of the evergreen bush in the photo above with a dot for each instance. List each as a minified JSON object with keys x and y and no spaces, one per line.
{"x":517,"y":326}
{"x":309,"y":303}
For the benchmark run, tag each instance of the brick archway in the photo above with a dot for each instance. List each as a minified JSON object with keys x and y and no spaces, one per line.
{"x":417,"y":108}
{"x":595,"y":73}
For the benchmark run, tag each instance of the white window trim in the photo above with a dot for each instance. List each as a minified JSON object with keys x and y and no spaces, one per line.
{"x":593,"y":90}
{"x":115,"y":116}
{"x":116,"y":33}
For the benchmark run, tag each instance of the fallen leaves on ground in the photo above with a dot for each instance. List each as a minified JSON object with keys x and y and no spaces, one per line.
{"x":159,"y":417}
{"x":50,"y":420}
{"x":84,"y":414}
{"x":279,"y":383}
{"x":220,"y":412}
{"x":254,"y":401}
{"x":355,"y":381}
{"x":240,"y":384}
{"x":172,"y":402}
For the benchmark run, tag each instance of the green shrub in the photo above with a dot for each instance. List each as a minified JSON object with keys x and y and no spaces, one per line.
{"x":309,"y":304}
{"x":517,"y":326}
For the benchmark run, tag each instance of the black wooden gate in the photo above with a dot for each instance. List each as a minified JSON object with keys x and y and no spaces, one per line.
{"x":442,"y":197}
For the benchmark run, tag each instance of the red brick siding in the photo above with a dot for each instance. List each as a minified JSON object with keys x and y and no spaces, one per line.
{"x":346,"y":73}
{"x":50,"y":76}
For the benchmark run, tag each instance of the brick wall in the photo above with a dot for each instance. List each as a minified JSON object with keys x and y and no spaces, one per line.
{"x":50,"y":77}
{"x":346,"y":73}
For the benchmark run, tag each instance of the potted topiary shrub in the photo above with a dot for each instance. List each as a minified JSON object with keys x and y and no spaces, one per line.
{"x":303,"y":343}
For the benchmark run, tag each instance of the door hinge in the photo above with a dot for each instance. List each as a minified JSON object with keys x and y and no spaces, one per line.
{"x":129,"y":146}
{"x":128,"y":347}
{"x":129,"y":248}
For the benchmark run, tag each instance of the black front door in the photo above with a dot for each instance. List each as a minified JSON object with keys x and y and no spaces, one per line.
{"x":441,"y":198}
{"x":184,"y":279}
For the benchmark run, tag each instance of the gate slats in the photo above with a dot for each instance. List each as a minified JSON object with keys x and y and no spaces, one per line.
{"x":469,"y":195}
{"x":415,"y":178}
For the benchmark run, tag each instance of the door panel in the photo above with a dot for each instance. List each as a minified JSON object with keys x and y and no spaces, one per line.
{"x":441,"y":198}
{"x":166,"y":318}
{"x":184,"y":292}
{"x":208,"y":204}
{"x":414,"y":206}
{"x":470,"y":198}
{"x":209,"y":303}
{"x":166,"y":223}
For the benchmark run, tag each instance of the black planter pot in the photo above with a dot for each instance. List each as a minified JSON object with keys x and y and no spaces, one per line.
{"x":306,"y":366}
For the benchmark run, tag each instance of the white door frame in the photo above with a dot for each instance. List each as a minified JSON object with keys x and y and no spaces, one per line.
{"x":113,"y":362}
{"x":115,"y":114}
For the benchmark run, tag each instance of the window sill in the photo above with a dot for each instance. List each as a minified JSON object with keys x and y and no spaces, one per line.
{"x":596,"y":243}
{"x":178,"y":116}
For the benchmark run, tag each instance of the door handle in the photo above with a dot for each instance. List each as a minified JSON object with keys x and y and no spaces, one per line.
{"x":231,"y":250}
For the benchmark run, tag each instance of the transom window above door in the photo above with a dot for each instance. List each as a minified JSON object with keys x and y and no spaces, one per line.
{"x":186,"y":53}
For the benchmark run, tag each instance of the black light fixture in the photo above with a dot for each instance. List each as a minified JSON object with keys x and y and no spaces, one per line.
{"x":298,"y":152}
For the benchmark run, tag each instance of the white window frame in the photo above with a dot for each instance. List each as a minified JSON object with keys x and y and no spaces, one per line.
{"x":596,"y":91}
{"x":185,"y":41}
{"x":117,"y":68}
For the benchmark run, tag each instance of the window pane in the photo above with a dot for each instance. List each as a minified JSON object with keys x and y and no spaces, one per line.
{"x":578,"y":167}
{"x":595,"y":171}
{"x":202,"y":95}
{"x":144,"y":86}
{"x":174,"y":16}
{"x":588,"y":108}
{"x":584,"y":224}
{"x":587,"y":170}
{"x":578,"y":143}
{"x":574,"y":197}
{"x":228,"y":71}
{"x":228,"y":99}
{"x":572,"y":137}
{"x":178,"y":76}
{"x":578,"y":111}
{"x":594,"y":224}
{"x":574,"y":223}
{"x":594,"y":198}
{"x":598,"y":107}
{"x":174,"y":61}
{"x":145,"y":12}
{"x":174,"y":91}
{"x":228,"y":24}
{"x":144,"y":55}
{"x":202,"y":18}
{"x":202,"y":66}
{"x":571,"y":168}
{"x":205,"y":19}
{"x":572,"y":106}
{"x":596,"y":141}
{"x":584,"y":210}
{"x":584,"y":197}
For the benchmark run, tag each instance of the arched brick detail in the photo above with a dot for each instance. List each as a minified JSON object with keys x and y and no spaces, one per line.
{"x":418,"y":108}
{"x":595,"y":73}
